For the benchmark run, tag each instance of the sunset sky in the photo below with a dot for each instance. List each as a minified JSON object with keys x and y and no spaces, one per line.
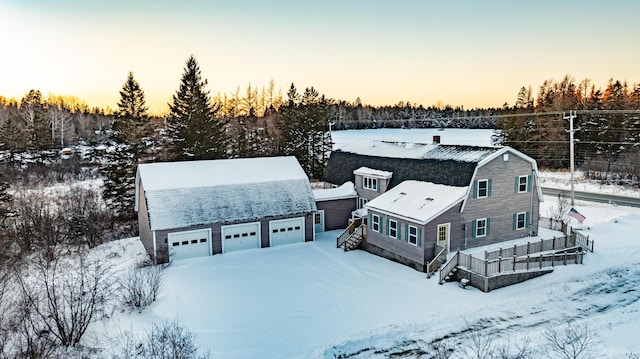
{"x":471,"y":53}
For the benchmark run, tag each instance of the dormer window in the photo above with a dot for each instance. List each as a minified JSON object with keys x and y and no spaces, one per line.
{"x":370,"y":183}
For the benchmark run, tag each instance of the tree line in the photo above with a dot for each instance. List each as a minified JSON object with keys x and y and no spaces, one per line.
{"x":607,"y":127}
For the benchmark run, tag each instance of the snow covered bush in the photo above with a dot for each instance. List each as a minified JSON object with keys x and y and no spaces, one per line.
{"x":139,"y":286}
{"x":168,"y":339}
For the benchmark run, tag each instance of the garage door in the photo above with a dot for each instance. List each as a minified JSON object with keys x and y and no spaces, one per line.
{"x":286,"y":231}
{"x":240,"y":236}
{"x":189,"y":244}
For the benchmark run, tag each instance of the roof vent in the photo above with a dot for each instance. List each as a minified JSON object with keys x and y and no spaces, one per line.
{"x":402,"y":194}
{"x":436,"y":139}
{"x":426,"y":201}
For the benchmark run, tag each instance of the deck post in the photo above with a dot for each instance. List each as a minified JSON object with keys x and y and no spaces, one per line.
{"x":499,"y":264}
{"x":514,"y":262}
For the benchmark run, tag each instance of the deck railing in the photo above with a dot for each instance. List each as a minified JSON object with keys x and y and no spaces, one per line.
{"x":583,"y":241}
{"x":491,"y":267}
{"x":437,"y":261}
{"x":529,"y":248}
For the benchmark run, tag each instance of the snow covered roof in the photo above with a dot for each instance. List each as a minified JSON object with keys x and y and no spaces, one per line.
{"x":347,"y":190}
{"x":419,"y":150}
{"x":366,"y":171}
{"x":182,"y":194}
{"x":194,"y":174}
{"x":418,"y":201}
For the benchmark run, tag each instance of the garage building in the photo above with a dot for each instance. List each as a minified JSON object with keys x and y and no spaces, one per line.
{"x":200,"y":208}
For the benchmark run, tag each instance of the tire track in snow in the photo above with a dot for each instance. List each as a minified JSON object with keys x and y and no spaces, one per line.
{"x":613,"y":289}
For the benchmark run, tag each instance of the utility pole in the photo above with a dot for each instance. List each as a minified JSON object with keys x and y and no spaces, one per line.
{"x":572,"y":115}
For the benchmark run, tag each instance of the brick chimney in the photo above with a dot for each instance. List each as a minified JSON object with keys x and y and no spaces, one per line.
{"x":436,"y":139}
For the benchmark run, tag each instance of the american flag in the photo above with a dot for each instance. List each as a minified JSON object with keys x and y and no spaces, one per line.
{"x":575,"y":214}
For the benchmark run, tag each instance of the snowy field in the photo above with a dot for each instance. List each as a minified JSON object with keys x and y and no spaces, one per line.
{"x":311,"y":300}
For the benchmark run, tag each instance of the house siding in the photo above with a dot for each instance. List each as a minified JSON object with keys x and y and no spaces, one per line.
{"x":456,"y":232}
{"x":399,"y":247}
{"x":383,"y":185}
{"x":337,"y":212}
{"x":146,"y":235}
{"x":503,"y":201}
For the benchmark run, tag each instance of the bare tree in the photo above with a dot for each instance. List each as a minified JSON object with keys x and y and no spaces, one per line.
{"x":571,"y":340}
{"x":560,"y":211}
{"x":62,"y":297}
{"x":140,"y":286}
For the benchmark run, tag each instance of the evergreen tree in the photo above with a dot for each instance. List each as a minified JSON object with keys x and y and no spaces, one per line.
{"x":128,"y":140}
{"x":304,"y":127}
{"x":194,"y":132}
{"x":32,"y":109}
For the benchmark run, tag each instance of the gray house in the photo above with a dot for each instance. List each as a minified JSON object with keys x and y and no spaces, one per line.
{"x":201,"y":208}
{"x":420,"y":201}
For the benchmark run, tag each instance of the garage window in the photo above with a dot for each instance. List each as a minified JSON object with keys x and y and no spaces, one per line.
{"x":203,"y":240}
{"x":228,"y":236}
{"x":194,"y":241}
{"x":253,"y":234}
{"x":175,"y":244}
{"x":184,"y":243}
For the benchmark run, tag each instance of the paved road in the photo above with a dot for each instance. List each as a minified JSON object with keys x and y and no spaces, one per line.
{"x":594,"y":197}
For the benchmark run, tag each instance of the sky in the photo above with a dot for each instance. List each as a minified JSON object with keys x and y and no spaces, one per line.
{"x":468,"y":53}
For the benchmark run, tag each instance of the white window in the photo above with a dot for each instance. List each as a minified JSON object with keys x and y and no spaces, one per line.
{"x":375,"y":223}
{"x":413,"y":235}
{"x":362,"y":202}
{"x":482,"y":189}
{"x":521,"y":220}
{"x":481,"y":227}
{"x":393,"y":229}
{"x":523,"y":184}
{"x":370,"y":183}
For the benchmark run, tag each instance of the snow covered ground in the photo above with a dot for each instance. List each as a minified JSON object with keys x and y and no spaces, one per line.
{"x":311,"y":300}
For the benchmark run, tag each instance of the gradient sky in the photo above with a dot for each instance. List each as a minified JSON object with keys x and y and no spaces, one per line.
{"x":472,"y":53}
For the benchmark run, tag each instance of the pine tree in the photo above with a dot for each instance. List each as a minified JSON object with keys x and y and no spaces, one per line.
{"x":32,"y":109}
{"x":304,"y":127}
{"x":194,"y":132}
{"x":128,"y":146}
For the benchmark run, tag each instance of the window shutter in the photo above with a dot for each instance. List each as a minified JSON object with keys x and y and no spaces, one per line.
{"x":475,"y":189}
{"x":528,"y":183}
{"x":388,"y":226}
{"x":526,"y":219}
{"x":489,"y":187}
{"x":378,"y":183}
{"x":362,"y":182}
{"x":473,"y":229}
{"x":380,"y":225}
{"x":371,"y":221}
{"x":488,"y":226}
{"x":515,"y":189}
{"x":419,"y":237}
{"x":515,"y":221}
{"x":406,"y":233}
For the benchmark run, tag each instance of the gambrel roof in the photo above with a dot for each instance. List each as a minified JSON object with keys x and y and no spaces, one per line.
{"x":182,"y":194}
{"x":440,"y":164}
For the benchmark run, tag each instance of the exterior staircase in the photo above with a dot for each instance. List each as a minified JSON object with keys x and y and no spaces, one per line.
{"x":352,"y":236}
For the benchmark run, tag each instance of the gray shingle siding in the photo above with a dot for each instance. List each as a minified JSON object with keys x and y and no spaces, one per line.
{"x":337,"y":212}
{"x":503,"y":201}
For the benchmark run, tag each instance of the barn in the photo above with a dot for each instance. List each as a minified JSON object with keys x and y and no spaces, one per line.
{"x":201,"y":208}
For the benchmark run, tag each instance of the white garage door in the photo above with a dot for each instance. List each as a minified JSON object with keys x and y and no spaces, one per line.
{"x":189,"y":244}
{"x":286,"y":231}
{"x":240,"y":236}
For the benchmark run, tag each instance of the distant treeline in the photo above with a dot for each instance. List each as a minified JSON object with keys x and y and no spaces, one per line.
{"x":606,"y":140}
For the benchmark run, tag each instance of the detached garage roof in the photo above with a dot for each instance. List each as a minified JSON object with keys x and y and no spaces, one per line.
{"x":182,"y":194}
